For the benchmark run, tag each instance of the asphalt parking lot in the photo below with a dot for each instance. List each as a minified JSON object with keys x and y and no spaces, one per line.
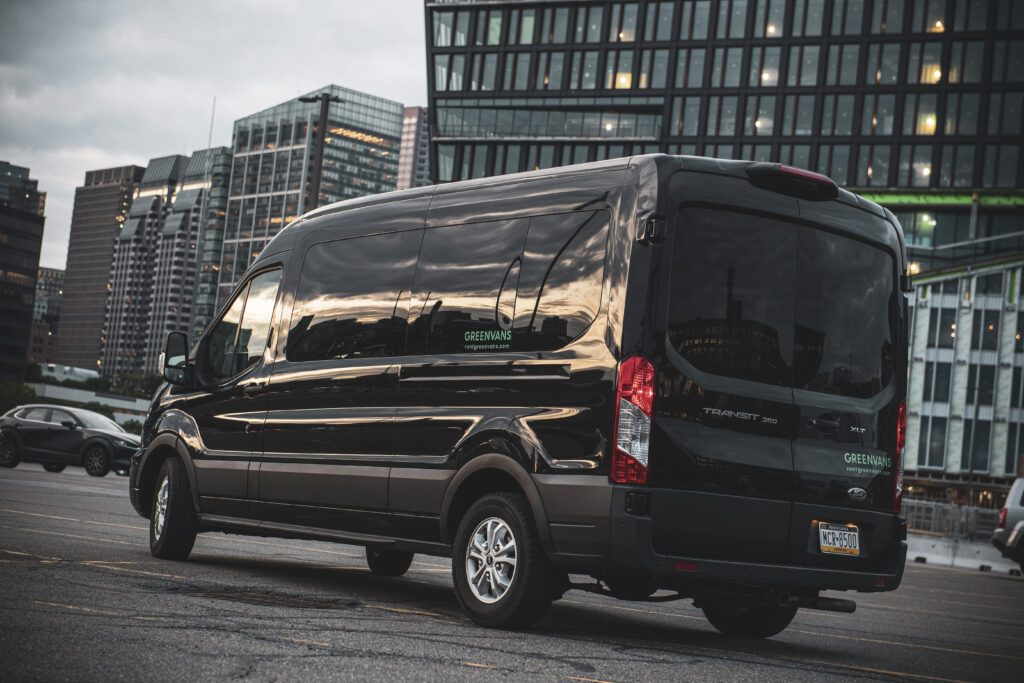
{"x":83,"y":599}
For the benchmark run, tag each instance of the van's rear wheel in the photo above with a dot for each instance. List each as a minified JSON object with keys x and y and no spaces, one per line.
{"x":388,"y":562}
{"x":502,"y":576}
{"x":749,"y":621}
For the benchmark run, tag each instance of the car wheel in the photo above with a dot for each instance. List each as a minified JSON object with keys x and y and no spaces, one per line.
{"x":749,"y":621}
{"x":172,"y":520}
{"x":388,"y":562}
{"x":9,"y":453}
{"x":53,"y":467}
{"x":502,"y":576}
{"x":96,"y":461}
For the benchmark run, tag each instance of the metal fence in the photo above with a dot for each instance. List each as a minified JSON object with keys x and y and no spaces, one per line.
{"x":951,"y":521}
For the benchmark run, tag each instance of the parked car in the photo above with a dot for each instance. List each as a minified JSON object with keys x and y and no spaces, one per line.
{"x":665,"y":372}
{"x":58,"y":436}
{"x":1009,"y":535}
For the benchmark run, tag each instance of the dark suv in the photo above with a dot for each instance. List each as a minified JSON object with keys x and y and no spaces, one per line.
{"x":664,"y":372}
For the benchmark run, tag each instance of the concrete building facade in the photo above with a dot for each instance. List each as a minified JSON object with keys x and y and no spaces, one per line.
{"x":414,"y":157}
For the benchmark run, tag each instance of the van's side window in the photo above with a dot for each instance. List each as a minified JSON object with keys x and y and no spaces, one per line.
{"x":560,"y":286}
{"x":463,"y":298}
{"x":237,"y":341}
{"x":352,"y":297}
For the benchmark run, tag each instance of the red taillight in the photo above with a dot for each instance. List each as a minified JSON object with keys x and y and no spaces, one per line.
{"x":901,"y":441}
{"x":1002,"y":519}
{"x":631,"y":435}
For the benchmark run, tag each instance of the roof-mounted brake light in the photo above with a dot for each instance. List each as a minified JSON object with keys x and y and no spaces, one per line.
{"x":796,"y":182}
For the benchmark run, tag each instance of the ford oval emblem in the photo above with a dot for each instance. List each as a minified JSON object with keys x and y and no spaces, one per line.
{"x":857,"y":494}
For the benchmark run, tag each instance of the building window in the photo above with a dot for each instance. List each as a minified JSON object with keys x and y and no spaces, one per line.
{"x":931,"y":450}
{"x":837,"y":115}
{"x":794,"y":155}
{"x":928,"y":16}
{"x":924,"y":64}
{"x":1014,"y":448}
{"x":695,"y":19}
{"x":521,"y":26}
{"x":942,"y":327}
{"x":887,"y":16}
{"x":517,"y":71}
{"x":878,"y":115}
{"x":732,"y":18}
{"x":1016,"y":399}
{"x":1005,"y":111}
{"x":1010,"y":14}
{"x":690,"y":67}
{"x":1019,"y":338}
{"x":583,"y":75}
{"x":768,"y":16}
{"x":970,"y":15}
{"x":966,"y":61}
{"x":659,"y":21}
{"x":962,"y":113}
{"x":797,"y":114}
{"x":834,"y":161}
{"x":883,"y":64}
{"x":725,"y":71}
{"x":622,"y":28}
{"x":980,"y":384}
{"x":685,"y":115}
{"x":554,"y":26}
{"x":448,"y":72}
{"x":915,"y":169}
{"x":722,"y":115}
{"x":764,"y":67}
{"x":808,"y":17}
{"x":847,"y":17}
{"x":919,"y":116}
{"x":842,"y":65}
{"x":986,"y":285}
{"x":485,"y":71}
{"x":978,"y":443}
{"x":957,"y":166}
{"x":1000,"y":166}
{"x":619,"y":70}
{"x":549,"y":70}
{"x":803,"y":65}
{"x":1008,"y":60}
{"x":937,"y":382}
{"x":873,"y":167}
{"x":654,"y":68}
{"x":760,"y":115}
{"x":488,"y":27}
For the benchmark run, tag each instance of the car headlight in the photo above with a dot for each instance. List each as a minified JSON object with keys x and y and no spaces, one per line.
{"x":124,"y":444}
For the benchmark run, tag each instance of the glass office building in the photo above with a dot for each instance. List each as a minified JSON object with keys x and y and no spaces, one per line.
{"x":917,"y":104}
{"x":271,"y":174}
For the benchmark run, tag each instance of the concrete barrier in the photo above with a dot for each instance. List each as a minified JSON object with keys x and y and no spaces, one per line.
{"x":964,"y":554}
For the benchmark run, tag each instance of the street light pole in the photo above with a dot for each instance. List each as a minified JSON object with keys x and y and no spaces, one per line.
{"x":317,"y":172}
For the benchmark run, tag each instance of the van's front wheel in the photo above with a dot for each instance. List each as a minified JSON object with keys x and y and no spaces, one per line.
{"x":502,"y":576}
{"x":749,"y":621}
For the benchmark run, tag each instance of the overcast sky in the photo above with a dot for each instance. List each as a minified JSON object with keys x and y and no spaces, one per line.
{"x":88,"y":84}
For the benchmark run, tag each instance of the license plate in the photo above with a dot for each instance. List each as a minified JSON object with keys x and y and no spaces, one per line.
{"x":839,"y":539}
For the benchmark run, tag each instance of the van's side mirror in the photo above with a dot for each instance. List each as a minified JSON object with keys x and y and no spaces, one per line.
{"x":176,"y":369}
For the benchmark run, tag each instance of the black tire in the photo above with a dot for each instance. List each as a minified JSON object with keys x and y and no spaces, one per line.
{"x":10,"y":454}
{"x":749,"y":621}
{"x":531,"y":583}
{"x":54,"y":467}
{"x":96,"y":461}
{"x":388,"y":562}
{"x":172,"y":536}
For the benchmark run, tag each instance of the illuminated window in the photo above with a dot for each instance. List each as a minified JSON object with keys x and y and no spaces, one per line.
{"x":919,"y":117}
{"x":619,"y":70}
{"x":760,"y":115}
{"x":764,"y":67}
{"x":768,"y":17}
{"x":622,"y":28}
{"x":915,"y":167}
{"x":873,"y":166}
{"x":878,"y":114}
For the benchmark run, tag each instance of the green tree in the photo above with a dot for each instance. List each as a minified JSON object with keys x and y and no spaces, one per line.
{"x":15,"y":394}
{"x":133,"y":427}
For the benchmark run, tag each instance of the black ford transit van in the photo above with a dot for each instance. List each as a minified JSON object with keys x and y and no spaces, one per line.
{"x":667,"y":373}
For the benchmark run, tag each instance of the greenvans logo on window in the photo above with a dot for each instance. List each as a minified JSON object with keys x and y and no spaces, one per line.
{"x":865,"y":463}
{"x":487,"y":340}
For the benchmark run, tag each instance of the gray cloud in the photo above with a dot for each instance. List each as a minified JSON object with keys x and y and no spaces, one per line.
{"x":86,"y":85}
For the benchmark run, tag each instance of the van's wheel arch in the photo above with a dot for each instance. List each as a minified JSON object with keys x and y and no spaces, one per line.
{"x":762,"y":620}
{"x":503,"y":577}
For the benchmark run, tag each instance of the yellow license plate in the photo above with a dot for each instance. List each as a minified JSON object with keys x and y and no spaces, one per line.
{"x":839,"y":539}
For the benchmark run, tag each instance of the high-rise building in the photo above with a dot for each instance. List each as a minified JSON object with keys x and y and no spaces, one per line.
{"x":101,"y":205}
{"x":21,"y":239}
{"x":216,"y":168}
{"x":43,"y":339}
{"x":414,"y":157}
{"x":916,"y":104}
{"x":275,"y":151}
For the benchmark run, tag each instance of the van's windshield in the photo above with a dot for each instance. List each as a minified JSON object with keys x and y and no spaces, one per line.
{"x":771,"y":301}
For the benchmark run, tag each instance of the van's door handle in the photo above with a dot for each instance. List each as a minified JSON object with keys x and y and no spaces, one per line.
{"x":254,"y":389}
{"x":824,"y":424}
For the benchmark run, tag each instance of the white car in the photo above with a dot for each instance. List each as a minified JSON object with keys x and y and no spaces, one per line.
{"x":1009,"y":536}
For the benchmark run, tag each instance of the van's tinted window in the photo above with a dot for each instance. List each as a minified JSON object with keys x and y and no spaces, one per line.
{"x":560,"y":285}
{"x":239,"y":338}
{"x":222,"y":340}
{"x":462,"y":300}
{"x":352,"y":296}
{"x":770,"y":301}
{"x":733,"y":284}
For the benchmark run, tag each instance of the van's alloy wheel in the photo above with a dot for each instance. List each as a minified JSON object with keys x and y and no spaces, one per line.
{"x":172,"y":519}
{"x":9,"y":456}
{"x":502,"y":576}
{"x":96,"y":461}
{"x":749,"y":621}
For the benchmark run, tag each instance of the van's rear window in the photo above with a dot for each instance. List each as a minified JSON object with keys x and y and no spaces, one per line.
{"x":771,"y":301}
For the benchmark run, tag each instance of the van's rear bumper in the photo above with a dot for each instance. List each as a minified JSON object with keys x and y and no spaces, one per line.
{"x":632,"y":550}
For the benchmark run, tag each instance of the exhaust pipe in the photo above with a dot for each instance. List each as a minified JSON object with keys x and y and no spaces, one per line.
{"x":823,"y":604}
